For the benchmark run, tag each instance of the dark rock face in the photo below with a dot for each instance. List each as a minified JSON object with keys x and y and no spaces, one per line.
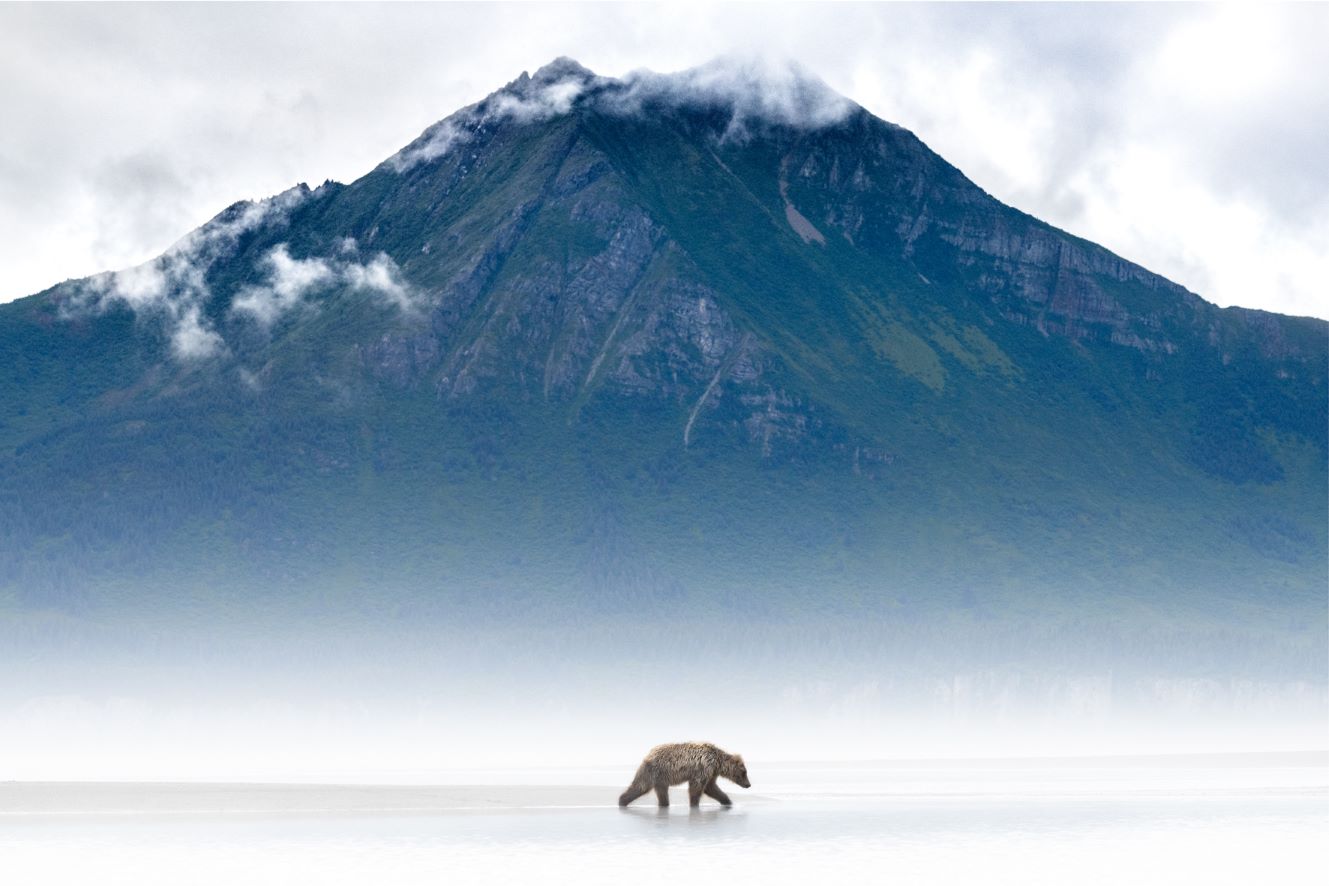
{"x":1035,"y":275}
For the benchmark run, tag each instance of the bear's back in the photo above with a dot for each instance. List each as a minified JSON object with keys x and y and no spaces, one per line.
{"x":686,"y":756}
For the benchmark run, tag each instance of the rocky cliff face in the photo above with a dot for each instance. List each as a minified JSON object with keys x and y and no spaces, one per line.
{"x":881,"y":188}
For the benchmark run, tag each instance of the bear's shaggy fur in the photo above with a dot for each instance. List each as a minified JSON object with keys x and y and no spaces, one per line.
{"x":697,"y":763}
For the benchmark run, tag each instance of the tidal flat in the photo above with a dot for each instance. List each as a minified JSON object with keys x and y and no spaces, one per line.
{"x":1210,"y":819}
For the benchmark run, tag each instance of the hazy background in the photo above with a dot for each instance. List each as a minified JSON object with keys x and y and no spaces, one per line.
{"x":1187,"y":138}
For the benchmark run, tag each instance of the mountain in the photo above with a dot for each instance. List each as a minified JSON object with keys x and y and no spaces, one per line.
{"x":717,"y":353}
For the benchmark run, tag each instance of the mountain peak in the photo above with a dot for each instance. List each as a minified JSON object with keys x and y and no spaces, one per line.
{"x":562,"y":68}
{"x":752,"y":88}
{"x":748,"y":92}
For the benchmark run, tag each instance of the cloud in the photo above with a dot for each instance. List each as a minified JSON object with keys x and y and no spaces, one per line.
{"x":540,"y":103}
{"x":173,"y":287}
{"x":137,"y":287}
{"x":191,"y":339}
{"x":435,"y":142}
{"x":153,"y":197}
{"x":752,"y":90}
{"x":382,"y":278}
{"x":551,"y":93}
{"x":289,"y":279}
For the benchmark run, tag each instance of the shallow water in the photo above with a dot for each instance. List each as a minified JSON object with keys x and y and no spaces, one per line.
{"x":1174,"y":821}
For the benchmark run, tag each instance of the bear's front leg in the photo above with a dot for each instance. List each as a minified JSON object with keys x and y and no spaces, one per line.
{"x":662,"y":793}
{"x":695,"y":789}
{"x":713,"y":791}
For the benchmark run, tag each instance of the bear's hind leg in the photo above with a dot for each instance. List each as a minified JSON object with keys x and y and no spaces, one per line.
{"x":662,"y":793}
{"x":695,"y":789}
{"x":641,"y":783}
{"x":635,"y":790}
{"x":713,"y":791}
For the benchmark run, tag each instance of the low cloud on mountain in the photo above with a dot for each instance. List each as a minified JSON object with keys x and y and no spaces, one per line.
{"x":752,"y":89}
{"x":174,"y":286}
{"x":173,"y":289}
{"x":290,"y":279}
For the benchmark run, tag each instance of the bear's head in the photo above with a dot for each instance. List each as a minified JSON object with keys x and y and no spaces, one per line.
{"x":737,"y":772}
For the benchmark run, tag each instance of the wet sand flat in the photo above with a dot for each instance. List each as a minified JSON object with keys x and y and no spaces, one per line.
{"x":20,"y":799}
{"x":1155,"y":821}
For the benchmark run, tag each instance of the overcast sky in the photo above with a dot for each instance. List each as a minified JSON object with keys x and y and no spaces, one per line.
{"x":1191,"y":139}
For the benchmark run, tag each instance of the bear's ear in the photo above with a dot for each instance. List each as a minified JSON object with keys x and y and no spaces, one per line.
{"x":738,"y":759}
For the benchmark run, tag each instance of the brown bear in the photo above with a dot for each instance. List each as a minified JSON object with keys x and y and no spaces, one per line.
{"x":697,"y":763}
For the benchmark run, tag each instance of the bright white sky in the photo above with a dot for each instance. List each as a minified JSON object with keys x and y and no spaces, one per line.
{"x":1191,"y":139}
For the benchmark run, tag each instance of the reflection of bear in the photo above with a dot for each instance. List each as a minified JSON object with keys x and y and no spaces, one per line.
{"x":692,"y":761}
